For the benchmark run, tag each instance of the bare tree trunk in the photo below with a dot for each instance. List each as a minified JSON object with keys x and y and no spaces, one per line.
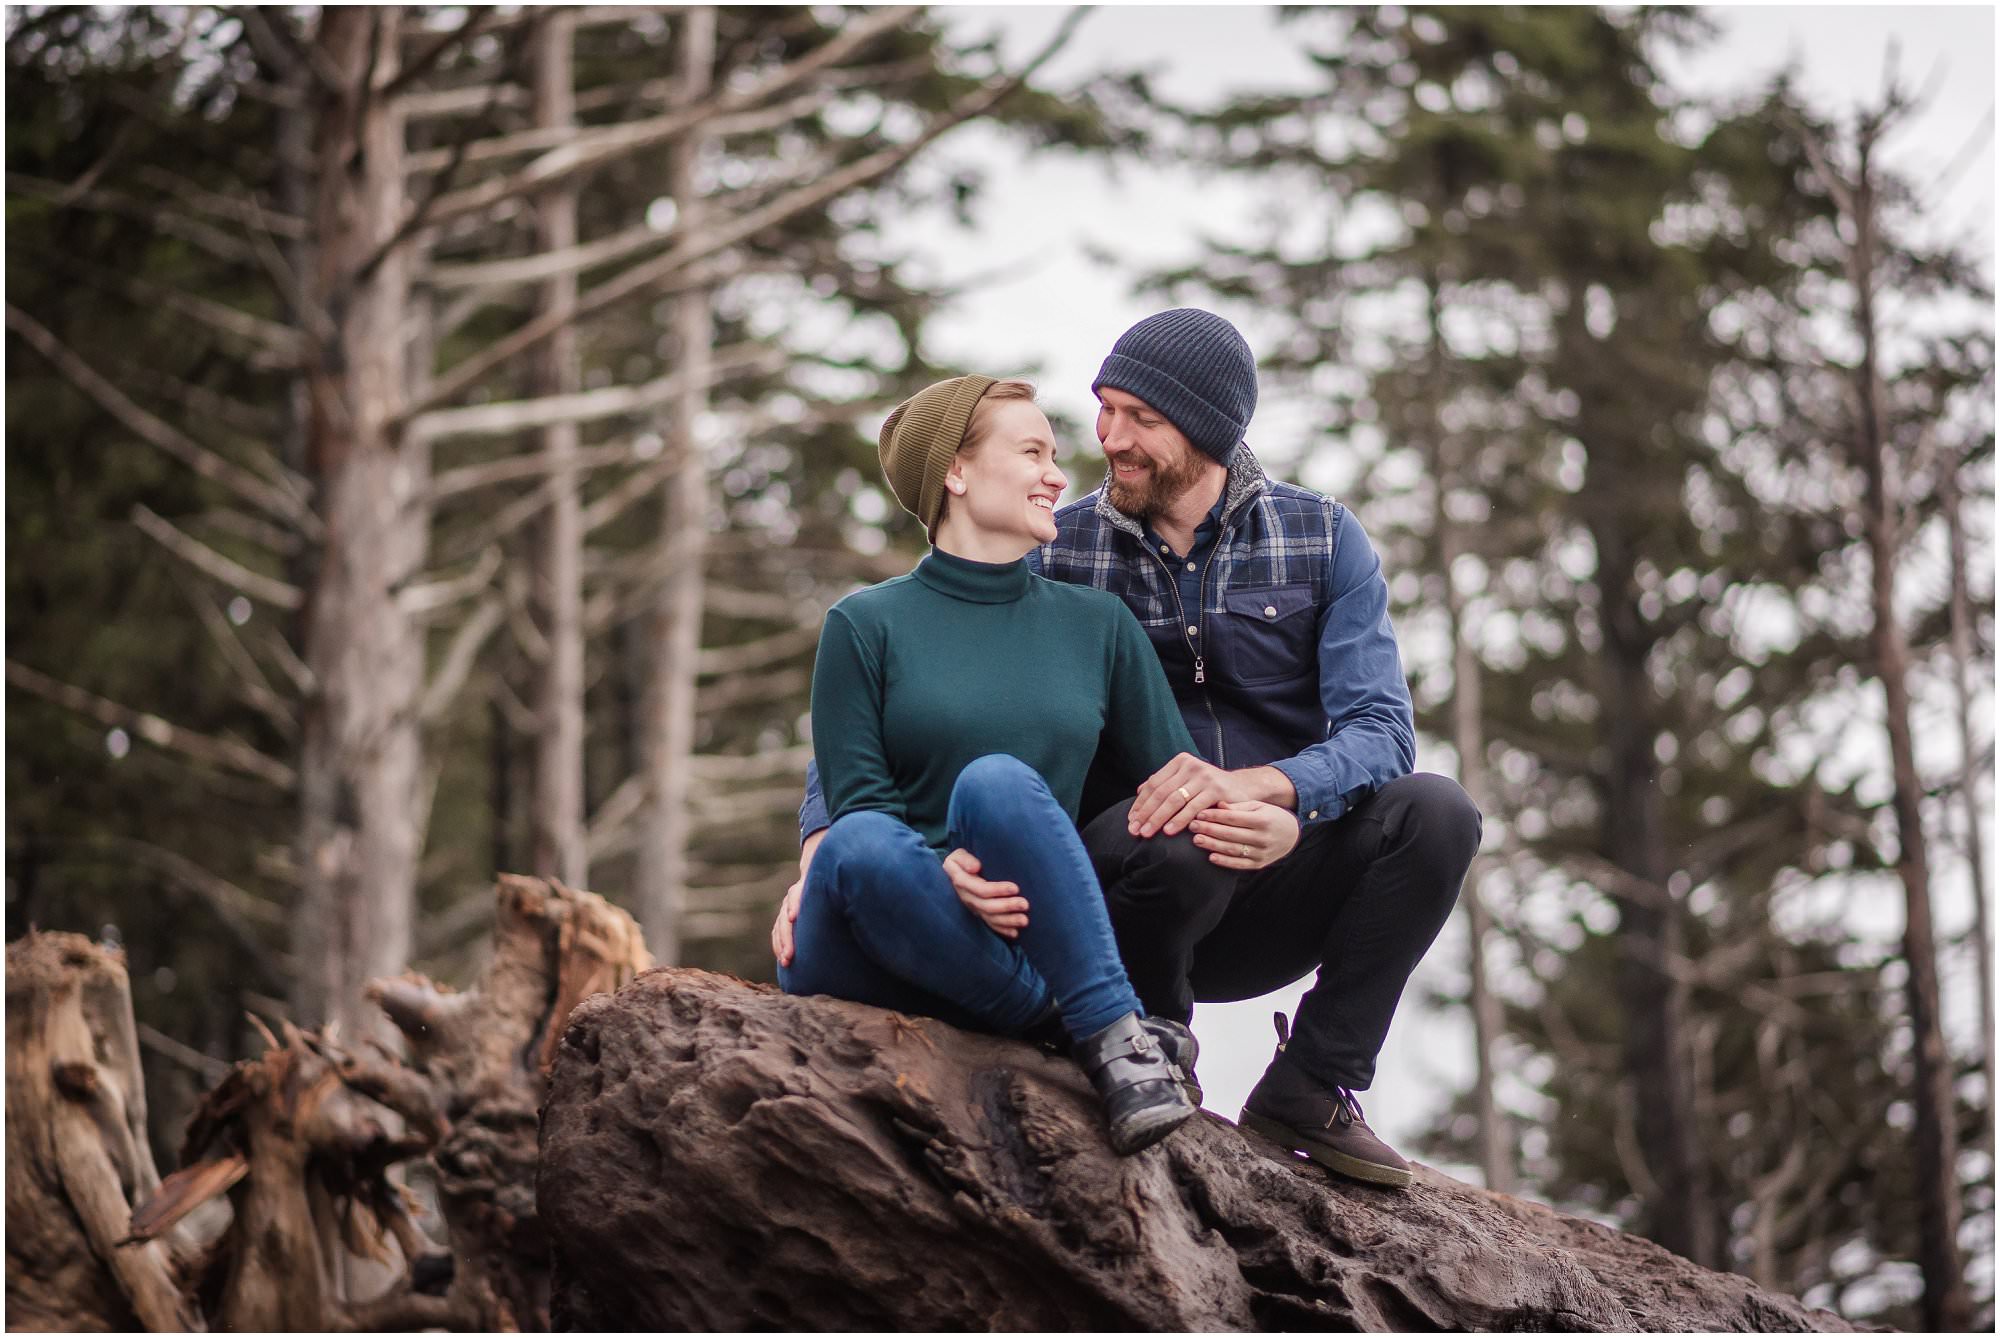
{"x":558,"y":577}
{"x":675,"y":627}
{"x":1969,"y":770}
{"x":360,"y":772}
{"x":1946,"y":1305}
{"x":1656,"y":1050}
{"x":1496,"y":1143}
{"x":1496,"y":1155}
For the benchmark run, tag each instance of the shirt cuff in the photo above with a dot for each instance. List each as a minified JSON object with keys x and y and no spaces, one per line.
{"x":1315,"y":804}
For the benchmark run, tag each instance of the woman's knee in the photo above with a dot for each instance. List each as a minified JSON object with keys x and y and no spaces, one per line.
{"x":868,"y":837}
{"x":868,"y":855}
{"x":997,"y":784}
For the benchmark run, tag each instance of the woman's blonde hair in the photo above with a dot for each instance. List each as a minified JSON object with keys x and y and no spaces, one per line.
{"x":981,"y":422}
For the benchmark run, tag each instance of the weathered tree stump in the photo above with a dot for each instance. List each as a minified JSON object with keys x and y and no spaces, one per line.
{"x":485,"y":1055}
{"x":77,"y":1157}
{"x":716,"y":1155}
{"x":303,"y":1138}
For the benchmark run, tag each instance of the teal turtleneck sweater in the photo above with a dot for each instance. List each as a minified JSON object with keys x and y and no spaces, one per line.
{"x":921,"y":674}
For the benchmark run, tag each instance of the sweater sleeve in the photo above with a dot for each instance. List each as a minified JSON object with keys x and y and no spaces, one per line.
{"x":1143,"y":728}
{"x":847,"y":723}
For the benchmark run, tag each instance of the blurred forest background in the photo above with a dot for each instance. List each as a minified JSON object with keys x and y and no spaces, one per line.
{"x":436,"y":433}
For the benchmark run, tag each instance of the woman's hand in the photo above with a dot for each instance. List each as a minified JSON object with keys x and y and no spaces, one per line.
{"x":1000,"y":905}
{"x":1246,"y":834}
{"x":782,"y":947}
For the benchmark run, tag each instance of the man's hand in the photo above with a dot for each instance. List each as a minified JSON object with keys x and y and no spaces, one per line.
{"x":782,"y":947}
{"x":1000,"y":905}
{"x":1246,"y":835}
{"x":1171,"y":796}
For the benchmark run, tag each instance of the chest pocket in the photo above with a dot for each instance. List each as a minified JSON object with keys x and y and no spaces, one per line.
{"x":1268,"y":635}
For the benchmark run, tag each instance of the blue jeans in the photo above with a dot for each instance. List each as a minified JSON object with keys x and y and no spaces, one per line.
{"x":880,"y":924}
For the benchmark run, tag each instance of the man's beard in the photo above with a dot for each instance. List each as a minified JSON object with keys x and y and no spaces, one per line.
{"x":1159,"y":489}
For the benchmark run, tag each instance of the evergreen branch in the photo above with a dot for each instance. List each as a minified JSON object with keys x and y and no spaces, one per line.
{"x":428,"y":597}
{"x":248,"y":211}
{"x":787,"y":763}
{"x":502,"y":523}
{"x":591,"y":149}
{"x":459,"y":658}
{"x":197,"y":554}
{"x":420,"y":64}
{"x":623,"y":138}
{"x":200,"y":459}
{"x":703,"y":244}
{"x":222,"y":752}
{"x":613,"y":816}
{"x":168,"y":221}
{"x":248,"y":918}
{"x":210,"y":1069}
{"x":586,"y":406}
{"x":747,"y":689}
{"x":762,"y":653}
{"x":253,"y":686}
{"x":426,"y":104}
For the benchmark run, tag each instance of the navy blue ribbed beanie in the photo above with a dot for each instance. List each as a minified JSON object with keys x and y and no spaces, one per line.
{"x":1195,"y":369}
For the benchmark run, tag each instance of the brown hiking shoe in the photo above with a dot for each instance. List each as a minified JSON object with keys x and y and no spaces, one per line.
{"x":1323,"y":1123}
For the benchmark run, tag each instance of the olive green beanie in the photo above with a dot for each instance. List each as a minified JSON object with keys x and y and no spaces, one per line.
{"x":920,"y":439}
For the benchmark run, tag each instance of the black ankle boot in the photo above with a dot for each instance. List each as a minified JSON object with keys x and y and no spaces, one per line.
{"x":1181,"y":1049}
{"x":1139,"y":1087}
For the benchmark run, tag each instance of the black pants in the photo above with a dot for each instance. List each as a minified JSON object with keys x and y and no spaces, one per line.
{"x":1360,"y":899}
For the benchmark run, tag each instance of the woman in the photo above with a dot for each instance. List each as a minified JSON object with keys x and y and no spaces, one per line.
{"x":959,"y":707}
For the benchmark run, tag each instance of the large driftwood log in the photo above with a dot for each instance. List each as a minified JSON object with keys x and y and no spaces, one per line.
{"x":77,"y":1157}
{"x":718,"y":1156}
{"x":485,"y":1055}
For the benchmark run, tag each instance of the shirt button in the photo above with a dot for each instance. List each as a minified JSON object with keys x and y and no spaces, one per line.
{"x":1165,"y":549}
{"x":1190,"y":566}
{"x":1194,"y":631}
{"x":1270,"y":611}
{"x":1310,"y":816}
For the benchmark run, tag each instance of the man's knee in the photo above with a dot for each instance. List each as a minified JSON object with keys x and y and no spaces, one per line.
{"x":1438,"y":814}
{"x":1170,"y":875}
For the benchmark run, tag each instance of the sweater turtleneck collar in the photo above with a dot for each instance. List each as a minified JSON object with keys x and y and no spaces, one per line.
{"x":974,"y":582}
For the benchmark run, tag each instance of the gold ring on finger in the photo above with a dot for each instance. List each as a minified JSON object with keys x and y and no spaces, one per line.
{"x":1183,"y":793}
{"x":1243,"y":852}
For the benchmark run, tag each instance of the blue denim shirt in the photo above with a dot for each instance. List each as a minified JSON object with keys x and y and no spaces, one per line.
{"x":1291,"y":662}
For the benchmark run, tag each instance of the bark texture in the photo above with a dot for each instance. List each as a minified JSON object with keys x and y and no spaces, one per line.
{"x":483,"y":1055}
{"x":558,"y":370}
{"x":361,"y":790}
{"x":77,"y":1158}
{"x":715,"y":1155}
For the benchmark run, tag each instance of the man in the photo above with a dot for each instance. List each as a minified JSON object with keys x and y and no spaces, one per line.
{"x":1267,"y":607}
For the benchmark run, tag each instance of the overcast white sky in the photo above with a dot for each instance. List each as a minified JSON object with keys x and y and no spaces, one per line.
{"x":1053,"y":306}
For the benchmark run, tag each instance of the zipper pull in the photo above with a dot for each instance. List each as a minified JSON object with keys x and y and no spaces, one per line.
{"x":1199,"y":677}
